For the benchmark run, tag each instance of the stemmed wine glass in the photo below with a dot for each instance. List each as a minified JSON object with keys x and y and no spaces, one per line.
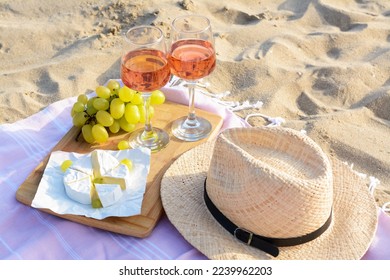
{"x":191,"y":57}
{"x":144,"y":67}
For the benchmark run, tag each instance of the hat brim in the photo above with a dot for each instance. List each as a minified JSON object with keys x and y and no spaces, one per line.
{"x":352,"y":230}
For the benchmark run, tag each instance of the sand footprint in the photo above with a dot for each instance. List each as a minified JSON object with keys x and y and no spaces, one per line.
{"x":337,"y":17}
{"x":310,"y":105}
{"x":334,"y":53}
{"x":234,"y":16}
{"x":280,"y":49}
{"x":255,"y":52}
{"x":46,"y":84}
{"x":327,"y":10}
{"x":377,"y":102}
{"x":297,"y":7}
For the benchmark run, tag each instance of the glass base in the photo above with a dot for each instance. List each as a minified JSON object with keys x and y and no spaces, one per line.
{"x":191,"y":131}
{"x":155,"y":141}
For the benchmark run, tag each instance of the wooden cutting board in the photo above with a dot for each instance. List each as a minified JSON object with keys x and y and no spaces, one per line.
{"x":143,"y":224}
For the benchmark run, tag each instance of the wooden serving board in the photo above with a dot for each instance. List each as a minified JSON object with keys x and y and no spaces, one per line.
{"x":139,"y":225}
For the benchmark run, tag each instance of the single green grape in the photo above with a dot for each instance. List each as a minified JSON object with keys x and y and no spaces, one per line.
{"x":114,"y":86}
{"x":83,"y":99}
{"x":100,"y":133}
{"x":80,"y":118}
{"x":96,"y":203}
{"x":137,"y":99}
{"x":115,"y":127}
{"x":123,"y":145}
{"x":128,"y":127}
{"x":157,"y":97}
{"x":91,"y":110}
{"x":91,"y":100}
{"x":101,"y":104}
{"x":86,"y":130}
{"x":126,"y":94}
{"x":104,"y":118}
{"x":66,"y":164}
{"x":78,"y":107}
{"x":117,"y":108}
{"x":132,"y":113}
{"x":103,"y":92}
{"x":128,"y":163}
{"x":72,"y":113}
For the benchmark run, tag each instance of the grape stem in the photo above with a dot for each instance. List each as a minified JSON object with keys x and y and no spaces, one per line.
{"x":78,"y":136}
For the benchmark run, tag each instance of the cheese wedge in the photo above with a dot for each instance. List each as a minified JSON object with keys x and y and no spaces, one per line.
{"x":119,"y":175}
{"x":102,"y":163}
{"x":84,"y":165}
{"x":108,"y":193}
{"x":78,"y":185}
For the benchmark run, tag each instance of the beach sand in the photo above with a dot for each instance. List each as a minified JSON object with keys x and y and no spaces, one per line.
{"x":321,"y":65}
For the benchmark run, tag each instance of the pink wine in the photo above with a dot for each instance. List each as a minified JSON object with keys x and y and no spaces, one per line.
{"x":145,"y":70}
{"x":192,"y":59}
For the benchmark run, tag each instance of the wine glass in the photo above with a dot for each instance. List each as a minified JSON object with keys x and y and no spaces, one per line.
{"x":144,"y":67}
{"x":191,"y":57}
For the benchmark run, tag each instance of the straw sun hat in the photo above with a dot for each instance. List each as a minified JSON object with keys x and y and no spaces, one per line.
{"x":268,"y":193}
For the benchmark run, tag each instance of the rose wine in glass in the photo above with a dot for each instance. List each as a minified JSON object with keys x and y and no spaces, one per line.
{"x":144,"y":67}
{"x":191,"y":57}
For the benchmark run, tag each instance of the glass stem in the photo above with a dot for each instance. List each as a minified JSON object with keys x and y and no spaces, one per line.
{"x":148,"y":130}
{"x":191,"y":118}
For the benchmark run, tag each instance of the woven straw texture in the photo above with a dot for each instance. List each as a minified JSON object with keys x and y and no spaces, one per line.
{"x":296,"y":199}
{"x":275,"y":175}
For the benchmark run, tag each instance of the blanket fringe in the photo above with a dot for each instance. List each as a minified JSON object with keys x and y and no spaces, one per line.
{"x":373,"y":184}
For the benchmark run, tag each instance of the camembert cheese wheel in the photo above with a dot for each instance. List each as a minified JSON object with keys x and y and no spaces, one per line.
{"x":98,"y":179}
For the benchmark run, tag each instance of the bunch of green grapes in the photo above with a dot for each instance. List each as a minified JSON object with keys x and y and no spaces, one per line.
{"x":114,"y":108}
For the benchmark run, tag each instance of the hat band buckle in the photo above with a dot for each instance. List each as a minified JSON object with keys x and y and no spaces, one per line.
{"x":243,"y":231}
